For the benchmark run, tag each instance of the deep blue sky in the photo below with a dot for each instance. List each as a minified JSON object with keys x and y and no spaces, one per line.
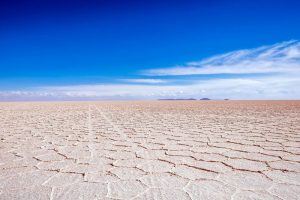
{"x":54,"y":42}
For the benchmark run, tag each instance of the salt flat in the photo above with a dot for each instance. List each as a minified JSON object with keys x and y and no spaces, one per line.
{"x":150,"y":150}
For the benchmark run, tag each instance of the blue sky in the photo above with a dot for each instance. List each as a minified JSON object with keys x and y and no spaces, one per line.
{"x":171,"y":49}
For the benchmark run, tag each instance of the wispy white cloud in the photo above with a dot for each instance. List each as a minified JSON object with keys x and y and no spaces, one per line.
{"x":266,"y":87}
{"x":148,"y":81}
{"x":278,"y":58}
{"x":278,"y":66}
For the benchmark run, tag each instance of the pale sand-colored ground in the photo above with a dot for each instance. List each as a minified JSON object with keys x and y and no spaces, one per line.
{"x":150,"y":150}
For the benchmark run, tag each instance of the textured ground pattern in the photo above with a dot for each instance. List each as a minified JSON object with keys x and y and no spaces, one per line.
{"x":150,"y":150}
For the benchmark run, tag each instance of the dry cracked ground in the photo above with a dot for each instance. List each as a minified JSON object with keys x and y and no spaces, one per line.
{"x":150,"y":150}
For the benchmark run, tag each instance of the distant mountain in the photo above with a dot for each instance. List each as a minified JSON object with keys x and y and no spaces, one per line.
{"x":205,"y":99}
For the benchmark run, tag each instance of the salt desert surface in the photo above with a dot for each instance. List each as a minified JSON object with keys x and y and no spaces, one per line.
{"x":150,"y":150}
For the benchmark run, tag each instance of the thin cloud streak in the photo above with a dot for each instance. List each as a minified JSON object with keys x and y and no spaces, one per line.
{"x":278,"y":58}
{"x":148,"y":81}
